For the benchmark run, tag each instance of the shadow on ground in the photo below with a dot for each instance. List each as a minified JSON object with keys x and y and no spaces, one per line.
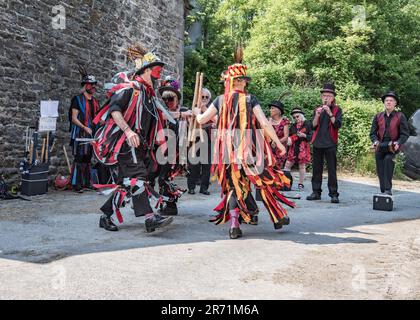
{"x":59,"y":225}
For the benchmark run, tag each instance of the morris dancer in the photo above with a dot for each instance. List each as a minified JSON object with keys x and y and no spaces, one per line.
{"x":133,"y":131}
{"x":239,"y":121}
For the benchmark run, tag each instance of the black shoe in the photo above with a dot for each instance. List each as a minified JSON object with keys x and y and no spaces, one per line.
{"x":235,"y":233}
{"x":278,"y":225}
{"x":388,"y":192}
{"x":283,"y":222}
{"x":191,"y":191}
{"x":206,"y":192}
{"x":334,"y":199}
{"x":78,"y":190}
{"x":106,"y":223}
{"x":156,"y":222}
{"x":286,"y":220}
{"x":254,"y":220}
{"x":314,"y":196}
{"x":169,"y":209}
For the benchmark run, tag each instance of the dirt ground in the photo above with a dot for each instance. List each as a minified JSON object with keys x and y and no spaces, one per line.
{"x":51,"y":247}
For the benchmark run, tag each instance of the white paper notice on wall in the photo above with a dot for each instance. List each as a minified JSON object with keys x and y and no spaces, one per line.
{"x":49,"y":108}
{"x":47,"y":124}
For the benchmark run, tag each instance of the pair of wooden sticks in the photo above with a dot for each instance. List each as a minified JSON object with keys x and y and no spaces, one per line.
{"x":193,"y":125}
{"x":45,"y":147}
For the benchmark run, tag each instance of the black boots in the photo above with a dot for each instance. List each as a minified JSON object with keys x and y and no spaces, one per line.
{"x":334,"y":199}
{"x":156,"y":222}
{"x":106,"y":223}
{"x":283,"y":222}
{"x":314,"y":196}
{"x":206,"y":192}
{"x":254,"y":220}
{"x":169,"y":209}
{"x":235,"y":233}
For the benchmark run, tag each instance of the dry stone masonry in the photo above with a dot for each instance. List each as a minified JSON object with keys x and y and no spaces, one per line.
{"x":42,"y":41}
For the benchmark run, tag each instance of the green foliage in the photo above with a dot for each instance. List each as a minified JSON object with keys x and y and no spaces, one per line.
{"x":354,"y":142}
{"x":364,"y":47}
{"x":310,"y":42}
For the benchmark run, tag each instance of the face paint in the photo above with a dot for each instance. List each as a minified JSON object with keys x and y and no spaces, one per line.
{"x":171,"y":103}
{"x":156,"y":72}
{"x":90,"y":88}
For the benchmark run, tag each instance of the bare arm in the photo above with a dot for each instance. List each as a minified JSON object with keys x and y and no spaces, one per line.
{"x":268,"y":128}
{"x":133,"y":139}
{"x":206,"y":116}
{"x":285,"y":134}
{"x":76,"y":121}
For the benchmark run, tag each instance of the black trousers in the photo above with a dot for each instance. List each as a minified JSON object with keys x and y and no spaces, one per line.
{"x":195,"y":171}
{"x":385,"y":165}
{"x":330,"y":155}
{"x":128,"y":169}
{"x":201,"y":169}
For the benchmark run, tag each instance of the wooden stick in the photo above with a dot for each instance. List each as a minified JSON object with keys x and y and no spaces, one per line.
{"x":199,"y":105}
{"x":67,"y":159}
{"x":48,"y":147}
{"x":53,"y":145}
{"x":42,"y":151}
{"x":192,"y":120}
{"x":31,"y":150}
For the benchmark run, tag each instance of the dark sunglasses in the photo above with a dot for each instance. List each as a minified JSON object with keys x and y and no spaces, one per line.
{"x":169,"y":99}
{"x":205,"y":97}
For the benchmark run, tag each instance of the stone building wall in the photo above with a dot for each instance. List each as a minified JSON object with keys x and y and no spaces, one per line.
{"x":38,"y":60}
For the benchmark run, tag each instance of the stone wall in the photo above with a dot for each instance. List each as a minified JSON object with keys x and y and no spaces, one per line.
{"x":38,"y":61}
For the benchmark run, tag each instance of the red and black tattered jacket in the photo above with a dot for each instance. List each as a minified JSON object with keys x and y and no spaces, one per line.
{"x":110,"y":138}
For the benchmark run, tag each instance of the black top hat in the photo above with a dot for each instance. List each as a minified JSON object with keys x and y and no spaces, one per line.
{"x":297,"y":110}
{"x":88,"y":79}
{"x":329,"y":87}
{"x":391,"y":94}
{"x":277,"y":104}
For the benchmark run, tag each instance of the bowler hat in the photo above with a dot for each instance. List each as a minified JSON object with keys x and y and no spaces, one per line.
{"x":391,"y":94}
{"x":329,"y":87}
{"x":277,"y":104}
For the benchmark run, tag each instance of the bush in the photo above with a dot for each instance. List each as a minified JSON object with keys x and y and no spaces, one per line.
{"x":354,"y":153}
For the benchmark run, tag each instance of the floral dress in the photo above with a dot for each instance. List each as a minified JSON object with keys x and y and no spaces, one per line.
{"x":300,"y":151}
{"x":279,"y":128}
